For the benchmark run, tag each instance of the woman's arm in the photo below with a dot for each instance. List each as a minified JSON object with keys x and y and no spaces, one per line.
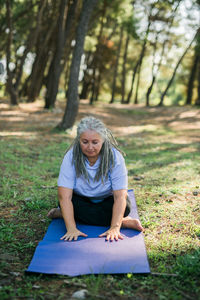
{"x":119,"y":207}
{"x":65,"y":199}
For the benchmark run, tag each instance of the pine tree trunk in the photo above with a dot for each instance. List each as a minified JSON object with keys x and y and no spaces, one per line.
{"x":72,"y":92}
{"x":97,"y":87}
{"x":149,"y":90}
{"x":93,"y":86}
{"x":154,"y":74}
{"x":174,"y":72}
{"x":116,"y":67}
{"x":55,"y":69}
{"x":191,"y":79}
{"x":198,"y":86}
{"x":124,"y":69}
{"x":10,"y":86}
{"x":132,"y":83}
{"x":37,"y":75}
{"x":138,"y":65}
{"x":137,"y":85}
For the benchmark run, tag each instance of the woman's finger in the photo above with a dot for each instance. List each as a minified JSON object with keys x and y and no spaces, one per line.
{"x":107,"y":237}
{"x":103,"y":234}
{"x":63,"y":237}
{"x":83,"y":234}
{"x":120,"y":237}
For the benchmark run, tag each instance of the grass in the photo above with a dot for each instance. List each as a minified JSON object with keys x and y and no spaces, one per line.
{"x":166,"y":178}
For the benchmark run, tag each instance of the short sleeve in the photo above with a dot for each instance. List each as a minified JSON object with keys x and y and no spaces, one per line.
{"x":67,"y":172}
{"x":118,"y":175}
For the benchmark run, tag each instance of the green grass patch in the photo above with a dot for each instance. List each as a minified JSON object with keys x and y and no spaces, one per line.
{"x":165,"y":176}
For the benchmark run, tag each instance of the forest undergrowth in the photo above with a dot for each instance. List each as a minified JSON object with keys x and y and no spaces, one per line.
{"x":163,"y":160}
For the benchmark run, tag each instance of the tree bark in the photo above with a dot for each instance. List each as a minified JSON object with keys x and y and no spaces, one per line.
{"x":72,"y":92}
{"x":55,"y":68}
{"x":175,"y":69}
{"x":96,"y":62}
{"x":124,"y":68}
{"x":93,"y":85}
{"x":137,"y":85}
{"x":34,"y":32}
{"x":198,"y":86}
{"x":10,"y":87}
{"x":138,"y":65}
{"x":132,"y":82}
{"x":155,"y":72}
{"x":33,"y":84}
{"x":116,"y":66}
{"x":191,"y":79}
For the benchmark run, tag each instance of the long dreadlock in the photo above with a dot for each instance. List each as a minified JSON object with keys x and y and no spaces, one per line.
{"x":106,"y":153}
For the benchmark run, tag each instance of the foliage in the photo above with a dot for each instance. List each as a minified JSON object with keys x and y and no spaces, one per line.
{"x":166,"y":37}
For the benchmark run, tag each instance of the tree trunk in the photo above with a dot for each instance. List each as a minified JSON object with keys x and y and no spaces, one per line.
{"x":124,"y":69}
{"x":98,"y":86}
{"x":34,"y":32}
{"x":116,"y":66}
{"x":72,"y":92}
{"x":93,"y":85}
{"x":191,"y":79}
{"x":97,"y":59}
{"x":175,"y":69}
{"x":198,"y":86}
{"x":33,"y":84}
{"x":149,"y":90}
{"x":55,"y":69}
{"x":137,"y":85}
{"x":155,"y":72}
{"x":132,"y":82}
{"x":10,"y":87}
{"x":138,"y":65}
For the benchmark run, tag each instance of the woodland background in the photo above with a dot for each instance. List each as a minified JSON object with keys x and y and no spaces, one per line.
{"x":141,"y":52}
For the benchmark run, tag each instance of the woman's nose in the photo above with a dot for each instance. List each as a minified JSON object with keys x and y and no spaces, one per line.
{"x":89,"y":146}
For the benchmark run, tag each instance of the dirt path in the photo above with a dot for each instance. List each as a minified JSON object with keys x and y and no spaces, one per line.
{"x":30,"y":120}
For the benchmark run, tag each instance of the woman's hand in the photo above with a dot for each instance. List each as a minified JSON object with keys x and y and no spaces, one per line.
{"x":112,"y":234}
{"x":72,"y":234}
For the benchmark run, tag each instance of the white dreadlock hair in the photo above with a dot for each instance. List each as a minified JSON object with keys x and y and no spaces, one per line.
{"x":106,"y":153}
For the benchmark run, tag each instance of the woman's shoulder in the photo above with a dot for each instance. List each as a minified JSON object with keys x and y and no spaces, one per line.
{"x":118,"y":157}
{"x":69,"y":154}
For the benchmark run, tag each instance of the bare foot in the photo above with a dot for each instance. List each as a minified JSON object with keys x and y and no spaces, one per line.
{"x":54,"y":213}
{"x":128,"y":222}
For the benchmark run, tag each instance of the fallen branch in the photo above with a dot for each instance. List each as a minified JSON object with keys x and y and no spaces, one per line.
{"x":164,"y":274}
{"x":183,"y":294}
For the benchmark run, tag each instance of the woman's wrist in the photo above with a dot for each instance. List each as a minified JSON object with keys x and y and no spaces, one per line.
{"x":115,"y":226}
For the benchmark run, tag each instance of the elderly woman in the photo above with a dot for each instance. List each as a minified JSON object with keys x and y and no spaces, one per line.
{"x":92,"y":184}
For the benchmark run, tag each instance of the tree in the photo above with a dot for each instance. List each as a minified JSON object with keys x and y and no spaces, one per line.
{"x":167,"y":25}
{"x":116,"y":65}
{"x":72,"y":92}
{"x":14,"y":76}
{"x":175,"y":69}
{"x":64,"y":27}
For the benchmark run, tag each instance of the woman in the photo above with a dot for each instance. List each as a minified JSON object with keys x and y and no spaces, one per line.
{"x":92,"y":184}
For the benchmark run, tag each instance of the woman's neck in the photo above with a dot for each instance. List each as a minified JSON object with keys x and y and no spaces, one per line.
{"x":92,"y":160}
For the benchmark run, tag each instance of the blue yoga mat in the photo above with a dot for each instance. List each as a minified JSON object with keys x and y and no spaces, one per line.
{"x":91,"y":255}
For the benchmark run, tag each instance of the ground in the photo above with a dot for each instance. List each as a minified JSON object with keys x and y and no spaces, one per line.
{"x":163,"y":159}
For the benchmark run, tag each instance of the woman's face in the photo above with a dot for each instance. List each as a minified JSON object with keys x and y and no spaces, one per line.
{"x":91,"y":143}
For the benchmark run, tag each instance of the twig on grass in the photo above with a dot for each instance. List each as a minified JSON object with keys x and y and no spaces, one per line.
{"x":164,"y":274}
{"x":183,"y":294}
